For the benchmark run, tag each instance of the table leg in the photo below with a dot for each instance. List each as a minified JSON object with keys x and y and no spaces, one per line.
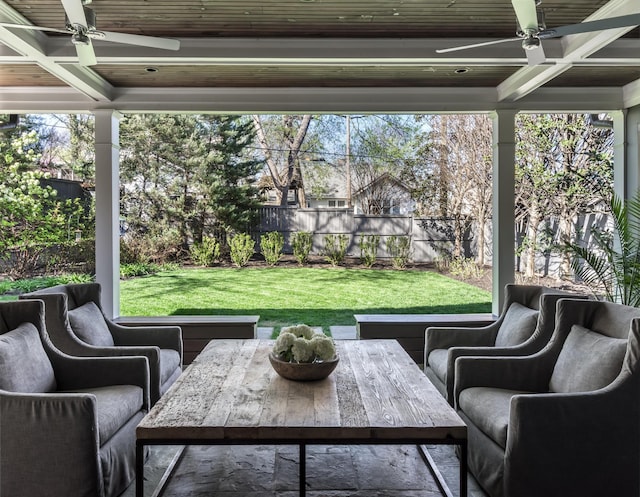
{"x":303,"y":470}
{"x":139,"y":469}
{"x":463,"y":469}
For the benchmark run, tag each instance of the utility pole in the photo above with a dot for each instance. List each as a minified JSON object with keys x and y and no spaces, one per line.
{"x":348,"y":162}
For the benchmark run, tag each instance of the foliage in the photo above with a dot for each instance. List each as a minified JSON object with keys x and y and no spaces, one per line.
{"x":271,"y":245}
{"x":464,"y":267}
{"x":185,"y":173}
{"x":564,"y":165}
{"x":399,"y":249}
{"x":612,"y":266}
{"x":369,"y":249}
{"x":32,"y":218}
{"x":335,"y":248}
{"x":207,"y":252}
{"x":160,"y":247}
{"x":242,"y":247}
{"x":282,"y":296}
{"x":131,"y":270}
{"x":32,"y":284}
{"x":301,"y":343}
{"x":302,"y":244}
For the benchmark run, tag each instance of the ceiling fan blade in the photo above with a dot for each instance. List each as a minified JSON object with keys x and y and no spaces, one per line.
{"x":30,"y":26}
{"x":86,"y":55}
{"x":589,"y":26}
{"x":527,"y":14}
{"x":144,"y":41}
{"x":75,"y":12}
{"x":535,"y":56}
{"x":475,"y":45}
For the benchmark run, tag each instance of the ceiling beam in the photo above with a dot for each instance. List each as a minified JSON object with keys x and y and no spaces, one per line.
{"x":33,"y":46}
{"x":576,"y":48}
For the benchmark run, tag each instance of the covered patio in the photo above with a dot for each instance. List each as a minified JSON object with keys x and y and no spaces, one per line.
{"x":309,"y":56}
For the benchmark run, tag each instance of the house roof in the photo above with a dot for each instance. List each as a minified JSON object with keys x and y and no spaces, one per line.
{"x":318,"y":56}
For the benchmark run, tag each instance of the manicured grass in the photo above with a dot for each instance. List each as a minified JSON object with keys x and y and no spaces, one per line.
{"x":285,"y":296}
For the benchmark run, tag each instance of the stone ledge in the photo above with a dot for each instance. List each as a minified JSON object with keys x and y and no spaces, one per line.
{"x":409,"y":329}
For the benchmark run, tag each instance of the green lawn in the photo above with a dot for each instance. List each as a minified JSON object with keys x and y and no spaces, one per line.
{"x":284,"y":296}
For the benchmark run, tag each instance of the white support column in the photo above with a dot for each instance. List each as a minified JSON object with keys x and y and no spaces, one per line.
{"x":504,"y":154}
{"x":108,"y":209}
{"x":620,"y":175}
{"x":632,"y":151}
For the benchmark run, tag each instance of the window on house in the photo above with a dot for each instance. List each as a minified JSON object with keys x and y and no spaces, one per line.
{"x":332,"y":203}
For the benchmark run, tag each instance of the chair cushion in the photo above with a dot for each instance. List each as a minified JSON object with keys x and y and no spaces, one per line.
{"x":518,"y":325}
{"x":437,"y":361}
{"x":169,"y":362}
{"x":588,"y":361}
{"x":488,"y":408}
{"x":89,"y":325}
{"x":24,"y":364}
{"x":116,"y":405}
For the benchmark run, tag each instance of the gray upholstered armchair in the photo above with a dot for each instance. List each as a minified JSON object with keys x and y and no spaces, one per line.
{"x":78,"y":327}
{"x":564,"y":421}
{"x":67,"y":424}
{"x":523,"y":328}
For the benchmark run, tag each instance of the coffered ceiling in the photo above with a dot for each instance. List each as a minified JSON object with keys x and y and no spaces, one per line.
{"x":318,"y":56}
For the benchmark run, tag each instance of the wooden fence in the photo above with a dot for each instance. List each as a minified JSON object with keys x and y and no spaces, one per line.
{"x":429,"y":237}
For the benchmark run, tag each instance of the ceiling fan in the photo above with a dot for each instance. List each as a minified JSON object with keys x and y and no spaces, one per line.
{"x":533,"y":30}
{"x":81,"y":24}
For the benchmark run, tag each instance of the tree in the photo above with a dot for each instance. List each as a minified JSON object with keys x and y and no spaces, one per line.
{"x":281,"y":141}
{"x":32,"y":218}
{"x":563,"y":166}
{"x":181,"y":174}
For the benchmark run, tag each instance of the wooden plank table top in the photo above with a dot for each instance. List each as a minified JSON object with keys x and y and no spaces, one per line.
{"x":230,"y":393}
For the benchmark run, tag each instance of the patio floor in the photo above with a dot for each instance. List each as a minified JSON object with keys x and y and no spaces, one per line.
{"x":332,"y":471}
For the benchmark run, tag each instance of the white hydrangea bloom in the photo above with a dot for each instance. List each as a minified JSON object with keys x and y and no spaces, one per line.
{"x":323,"y":347}
{"x":284,"y":342}
{"x":302,"y":350}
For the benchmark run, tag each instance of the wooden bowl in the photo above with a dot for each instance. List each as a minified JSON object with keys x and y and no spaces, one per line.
{"x":303,"y":371}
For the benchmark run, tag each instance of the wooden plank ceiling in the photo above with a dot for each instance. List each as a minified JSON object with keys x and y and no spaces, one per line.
{"x":447,"y":22}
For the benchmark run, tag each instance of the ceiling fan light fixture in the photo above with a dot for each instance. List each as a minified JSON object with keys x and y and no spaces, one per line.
{"x":80,"y":39}
{"x":530,"y":42}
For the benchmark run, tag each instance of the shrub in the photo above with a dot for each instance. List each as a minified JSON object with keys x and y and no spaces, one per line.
{"x":335,"y":248}
{"x":158,"y":248}
{"x":134,"y":269}
{"x":399,"y":249}
{"x":205,"y":253}
{"x":271,"y":245}
{"x":464,"y":268}
{"x":242,"y":247}
{"x":369,"y":249}
{"x":302,"y":243}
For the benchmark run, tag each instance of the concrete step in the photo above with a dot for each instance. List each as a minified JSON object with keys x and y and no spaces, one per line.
{"x":337,"y":332}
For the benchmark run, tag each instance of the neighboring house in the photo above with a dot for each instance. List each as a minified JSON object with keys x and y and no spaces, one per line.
{"x":384,"y":195}
{"x":332,"y":194}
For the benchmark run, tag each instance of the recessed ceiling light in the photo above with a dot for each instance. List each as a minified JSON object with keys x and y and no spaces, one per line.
{"x":461,"y":70}
{"x":151,"y":69}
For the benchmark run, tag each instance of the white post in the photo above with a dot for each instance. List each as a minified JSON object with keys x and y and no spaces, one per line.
{"x":504,"y":153}
{"x":631,"y":156}
{"x":107,"y":150}
{"x":620,"y":175}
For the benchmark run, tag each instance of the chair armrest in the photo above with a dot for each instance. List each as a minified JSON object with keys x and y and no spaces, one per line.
{"x":583,"y":443}
{"x":74,"y":373}
{"x":445,"y":337}
{"x":164,"y":337}
{"x":529,"y":373}
{"x":46,"y":434}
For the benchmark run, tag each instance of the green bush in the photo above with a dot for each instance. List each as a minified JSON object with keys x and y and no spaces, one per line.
{"x":134,"y":269}
{"x":206,"y":253}
{"x":335,"y":248}
{"x":464,"y":268}
{"x":32,"y":284}
{"x":271,"y":245}
{"x":369,"y":249}
{"x":159,"y":248}
{"x":302,"y":243}
{"x":242,"y":247}
{"x":399,"y":249}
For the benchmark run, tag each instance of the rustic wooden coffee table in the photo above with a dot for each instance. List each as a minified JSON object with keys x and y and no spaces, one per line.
{"x":231,"y":395}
